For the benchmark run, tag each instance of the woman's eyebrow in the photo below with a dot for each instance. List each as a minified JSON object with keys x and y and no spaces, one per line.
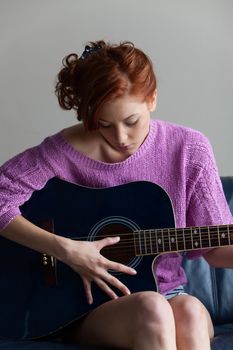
{"x":130,"y":116}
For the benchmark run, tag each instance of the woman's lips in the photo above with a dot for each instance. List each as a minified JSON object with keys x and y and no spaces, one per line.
{"x":124,"y":147}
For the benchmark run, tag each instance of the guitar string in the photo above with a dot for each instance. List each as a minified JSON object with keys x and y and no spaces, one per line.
{"x":148,"y":243}
{"x":165,"y":244}
{"x":164,"y":236}
{"x":151,"y":250}
{"x":206,"y":241}
{"x":170,"y":231}
{"x":129,"y":243}
{"x":140,"y":250}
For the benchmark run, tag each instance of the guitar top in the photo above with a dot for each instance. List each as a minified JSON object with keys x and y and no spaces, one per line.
{"x":39,"y":295}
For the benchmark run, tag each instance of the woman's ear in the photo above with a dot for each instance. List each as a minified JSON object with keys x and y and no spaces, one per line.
{"x":152,"y":102}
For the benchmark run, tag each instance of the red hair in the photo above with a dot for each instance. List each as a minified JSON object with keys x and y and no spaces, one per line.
{"x":109,"y":71}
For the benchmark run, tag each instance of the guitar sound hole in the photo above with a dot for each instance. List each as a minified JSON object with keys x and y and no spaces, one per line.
{"x":123,"y":251}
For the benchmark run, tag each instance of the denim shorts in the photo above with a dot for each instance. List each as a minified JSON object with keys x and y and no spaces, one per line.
{"x":176,"y":291}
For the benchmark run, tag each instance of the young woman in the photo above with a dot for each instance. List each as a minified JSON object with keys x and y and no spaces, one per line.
{"x":112,"y":88}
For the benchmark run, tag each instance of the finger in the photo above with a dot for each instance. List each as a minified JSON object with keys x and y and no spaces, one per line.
{"x":106,"y":241}
{"x":87,"y":289}
{"x":122,"y":268}
{"x":105,"y":287}
{"x":117,"y":284}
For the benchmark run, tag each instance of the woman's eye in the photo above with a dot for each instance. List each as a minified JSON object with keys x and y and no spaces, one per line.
{"x":132,"y":123}
{"x":105,"y":126}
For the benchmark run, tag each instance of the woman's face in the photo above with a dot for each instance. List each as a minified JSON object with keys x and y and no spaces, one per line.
{"x":124,"y":123}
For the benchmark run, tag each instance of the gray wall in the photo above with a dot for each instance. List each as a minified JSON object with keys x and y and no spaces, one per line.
{"x":189,"y":41}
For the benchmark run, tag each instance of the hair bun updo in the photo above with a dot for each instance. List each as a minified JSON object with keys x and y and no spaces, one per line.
{"x":103,"y":72}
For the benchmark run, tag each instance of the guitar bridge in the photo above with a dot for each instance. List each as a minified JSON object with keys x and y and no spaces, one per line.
{"x":48,"y":263}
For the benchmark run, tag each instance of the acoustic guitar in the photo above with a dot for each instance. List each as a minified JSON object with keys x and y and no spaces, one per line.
{"x":39,"y":295}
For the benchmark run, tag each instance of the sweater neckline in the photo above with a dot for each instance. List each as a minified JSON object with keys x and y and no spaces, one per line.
{"x":81,"y":157}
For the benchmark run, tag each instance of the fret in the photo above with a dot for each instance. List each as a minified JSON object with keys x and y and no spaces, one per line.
{"x":205,"y":242}
{"x":188,"y":239}
{"x":151,"y":245}
{"x":137,"y":243}
{"x":214,"y":236}
{"x":199,"y":230}
{"x":229,"y":234}
{"x":152,"y":241}
{"x":166,"y":240}
{"x":230,"y":228}
{"x":141,"y":241}
{"x":196,"y":238}
{"x":224,"y":235}
{"x":155,"y":239}
{"x":173,"y":240}
{"x":209,"y":236}
{"x":180,"y":240}
{"x":145,"y":242}
{"x":185,"y":248}
{"x":219,"y":241}
{"x":159,"y":239}
{"x":163,"y":240}
{"x":191,"y":235}
{"x":169,"y":239}
{"x":147,"y":239}
{"x":198,"y":235}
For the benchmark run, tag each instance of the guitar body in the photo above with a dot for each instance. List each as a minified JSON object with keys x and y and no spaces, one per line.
{"x":37,"y":299}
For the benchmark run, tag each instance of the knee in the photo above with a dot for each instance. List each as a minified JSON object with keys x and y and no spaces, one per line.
{"x":153,"y":310}
{"x":190,"y":313}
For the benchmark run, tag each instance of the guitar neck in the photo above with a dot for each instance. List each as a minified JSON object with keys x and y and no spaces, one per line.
{"x":148,"y":242}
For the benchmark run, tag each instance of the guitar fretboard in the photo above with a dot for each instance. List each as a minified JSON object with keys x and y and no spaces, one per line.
{"x":158,"y":241}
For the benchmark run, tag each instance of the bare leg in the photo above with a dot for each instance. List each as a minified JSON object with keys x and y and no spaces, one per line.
{"x":194,"y":327}
{"x":139,"y":321}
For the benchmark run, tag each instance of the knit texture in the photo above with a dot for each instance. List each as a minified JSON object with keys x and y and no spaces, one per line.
{"x":177,"y":158}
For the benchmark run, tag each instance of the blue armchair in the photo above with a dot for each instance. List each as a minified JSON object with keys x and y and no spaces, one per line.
{"x":211,"y":285}
{"x":214,"y":287}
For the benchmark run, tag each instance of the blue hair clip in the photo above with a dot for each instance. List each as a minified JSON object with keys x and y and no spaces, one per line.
{"x":88,"y":51}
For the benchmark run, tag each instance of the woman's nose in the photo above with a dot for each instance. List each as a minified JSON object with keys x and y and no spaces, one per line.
{"x":121,"y":135}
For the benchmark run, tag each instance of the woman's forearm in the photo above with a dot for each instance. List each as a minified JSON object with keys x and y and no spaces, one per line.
{"x":21,"y":231}
{"x":220,"y":257}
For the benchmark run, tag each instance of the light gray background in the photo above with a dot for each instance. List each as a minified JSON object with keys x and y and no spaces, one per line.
{"x":189,"y":41}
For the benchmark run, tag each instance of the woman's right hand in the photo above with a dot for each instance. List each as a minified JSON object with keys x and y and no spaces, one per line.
{"x":85,"y":258}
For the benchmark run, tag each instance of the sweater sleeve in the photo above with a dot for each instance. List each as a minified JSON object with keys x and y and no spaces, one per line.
{"x":206,"y":202}
{"x":19,"y":178}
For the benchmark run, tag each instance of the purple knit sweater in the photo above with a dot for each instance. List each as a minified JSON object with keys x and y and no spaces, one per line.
{"x":178,"y":159}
